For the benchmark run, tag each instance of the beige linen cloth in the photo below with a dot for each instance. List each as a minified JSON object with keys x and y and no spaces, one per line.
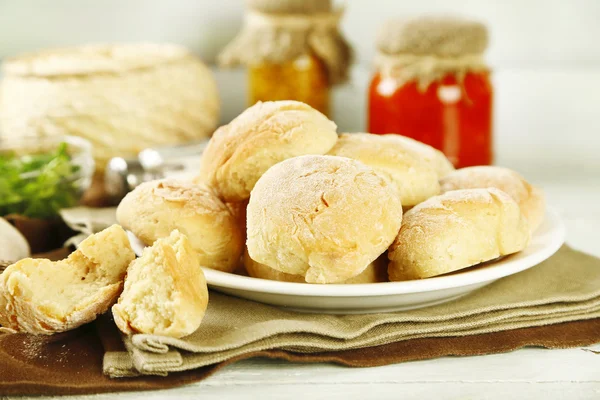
{"x":564,"y":288}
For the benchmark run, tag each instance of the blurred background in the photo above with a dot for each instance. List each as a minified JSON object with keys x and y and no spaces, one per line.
{"x":545,"y":57}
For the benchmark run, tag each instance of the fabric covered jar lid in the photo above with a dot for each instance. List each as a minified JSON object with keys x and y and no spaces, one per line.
{"x":290,"y":6}
{"x":278,"y":31}
{"x":442,"y":36}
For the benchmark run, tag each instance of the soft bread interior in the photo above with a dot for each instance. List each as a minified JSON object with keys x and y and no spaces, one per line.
{"x":165,"y":290}
{"x":59,"y":290}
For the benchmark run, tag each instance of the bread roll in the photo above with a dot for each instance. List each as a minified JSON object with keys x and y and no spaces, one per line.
{"x":44,"y":297}
{"x":412,"y":176}
{"x":155,"y":209}
{"x":375,"y":272}
{"x":323,"y":217}
{"x":456,"y":230}
{"x":530,"y":199}
{"x":165,"y":291}
{"x":436,"y":159}
{"x":260,"y":137}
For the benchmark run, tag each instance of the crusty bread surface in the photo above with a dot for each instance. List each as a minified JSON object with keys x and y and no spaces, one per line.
{"x":154,"y":209}
{"x":322,"y":217}
{"x":456,"y":230}
{"x":410,"y":174}
{"x":530,"y":198}
{"x":260,"y":137}
{"x":375,"y":272}
{"x":436,"y":159}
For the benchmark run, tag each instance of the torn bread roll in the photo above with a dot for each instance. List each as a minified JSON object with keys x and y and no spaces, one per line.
{"x":260,"y":137}
{"x":44,"y":297}
{"x":375,"y":272}
{"x":155,"y":209}
{"x":323,"y":217}
{"x":165,"y":291}
{"x":530,"y":199}
{"x":414,"y":179}
{"x":456,"y":230}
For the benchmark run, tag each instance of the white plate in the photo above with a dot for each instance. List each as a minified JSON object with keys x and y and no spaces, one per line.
{"x":389,"y":296}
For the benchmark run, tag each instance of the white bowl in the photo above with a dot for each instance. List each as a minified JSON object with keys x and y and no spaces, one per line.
{"x":388,"y":296}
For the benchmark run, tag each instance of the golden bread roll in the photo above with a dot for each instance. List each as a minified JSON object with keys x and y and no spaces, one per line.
{"x":530,"y":199}
{"x":155,"y":209}
{"x":375,"y":272}
{"x":323,"y":217}
{"x":165,"y":291}
{"x":414,"y":178}
{"x":436,"y":159}
{"x":456,"y":230}
{"x":260,"y":137}
{"x":44,"y":297}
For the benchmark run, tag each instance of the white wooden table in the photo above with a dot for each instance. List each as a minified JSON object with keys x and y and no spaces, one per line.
{"x":522,"y":374}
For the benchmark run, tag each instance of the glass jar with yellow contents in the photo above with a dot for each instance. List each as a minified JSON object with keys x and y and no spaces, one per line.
{"x":293,"y":50}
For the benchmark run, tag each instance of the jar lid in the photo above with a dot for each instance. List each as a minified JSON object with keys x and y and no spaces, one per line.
{"x":290,"y":6}
{"x":279,"y":31}
{"x":442,"y":36}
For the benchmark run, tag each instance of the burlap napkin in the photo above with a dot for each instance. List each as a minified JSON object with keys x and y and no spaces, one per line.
{"x":564,"y":288}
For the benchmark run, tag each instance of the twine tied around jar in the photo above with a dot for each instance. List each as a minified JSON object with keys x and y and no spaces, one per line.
{"x":304,"y":22}
{"x":269,"y":37}
{"x":426,"y":69}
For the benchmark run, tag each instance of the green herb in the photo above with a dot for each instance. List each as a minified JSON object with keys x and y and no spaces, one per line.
{"x":37,"y":185}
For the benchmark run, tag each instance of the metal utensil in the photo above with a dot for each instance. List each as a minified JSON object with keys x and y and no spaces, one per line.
{"x":122,"y":175}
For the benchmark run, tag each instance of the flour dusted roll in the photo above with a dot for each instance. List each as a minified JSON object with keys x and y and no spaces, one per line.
{"x":122,"y":98}
{"x":530,"y":199}
{"x":44,"y":297}
{"x":260,"y":137}
{"x":171,"y":303}
{"x":456,"y":230}
{"x":154,"y":209}
{"x":375,"y":272}
{"x":322,"y":217}
{"x":413,"y":177}
{"x":435,"y":158}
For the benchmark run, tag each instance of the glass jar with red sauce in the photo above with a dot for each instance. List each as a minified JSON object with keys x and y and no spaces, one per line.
{"x":433,"y":85}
